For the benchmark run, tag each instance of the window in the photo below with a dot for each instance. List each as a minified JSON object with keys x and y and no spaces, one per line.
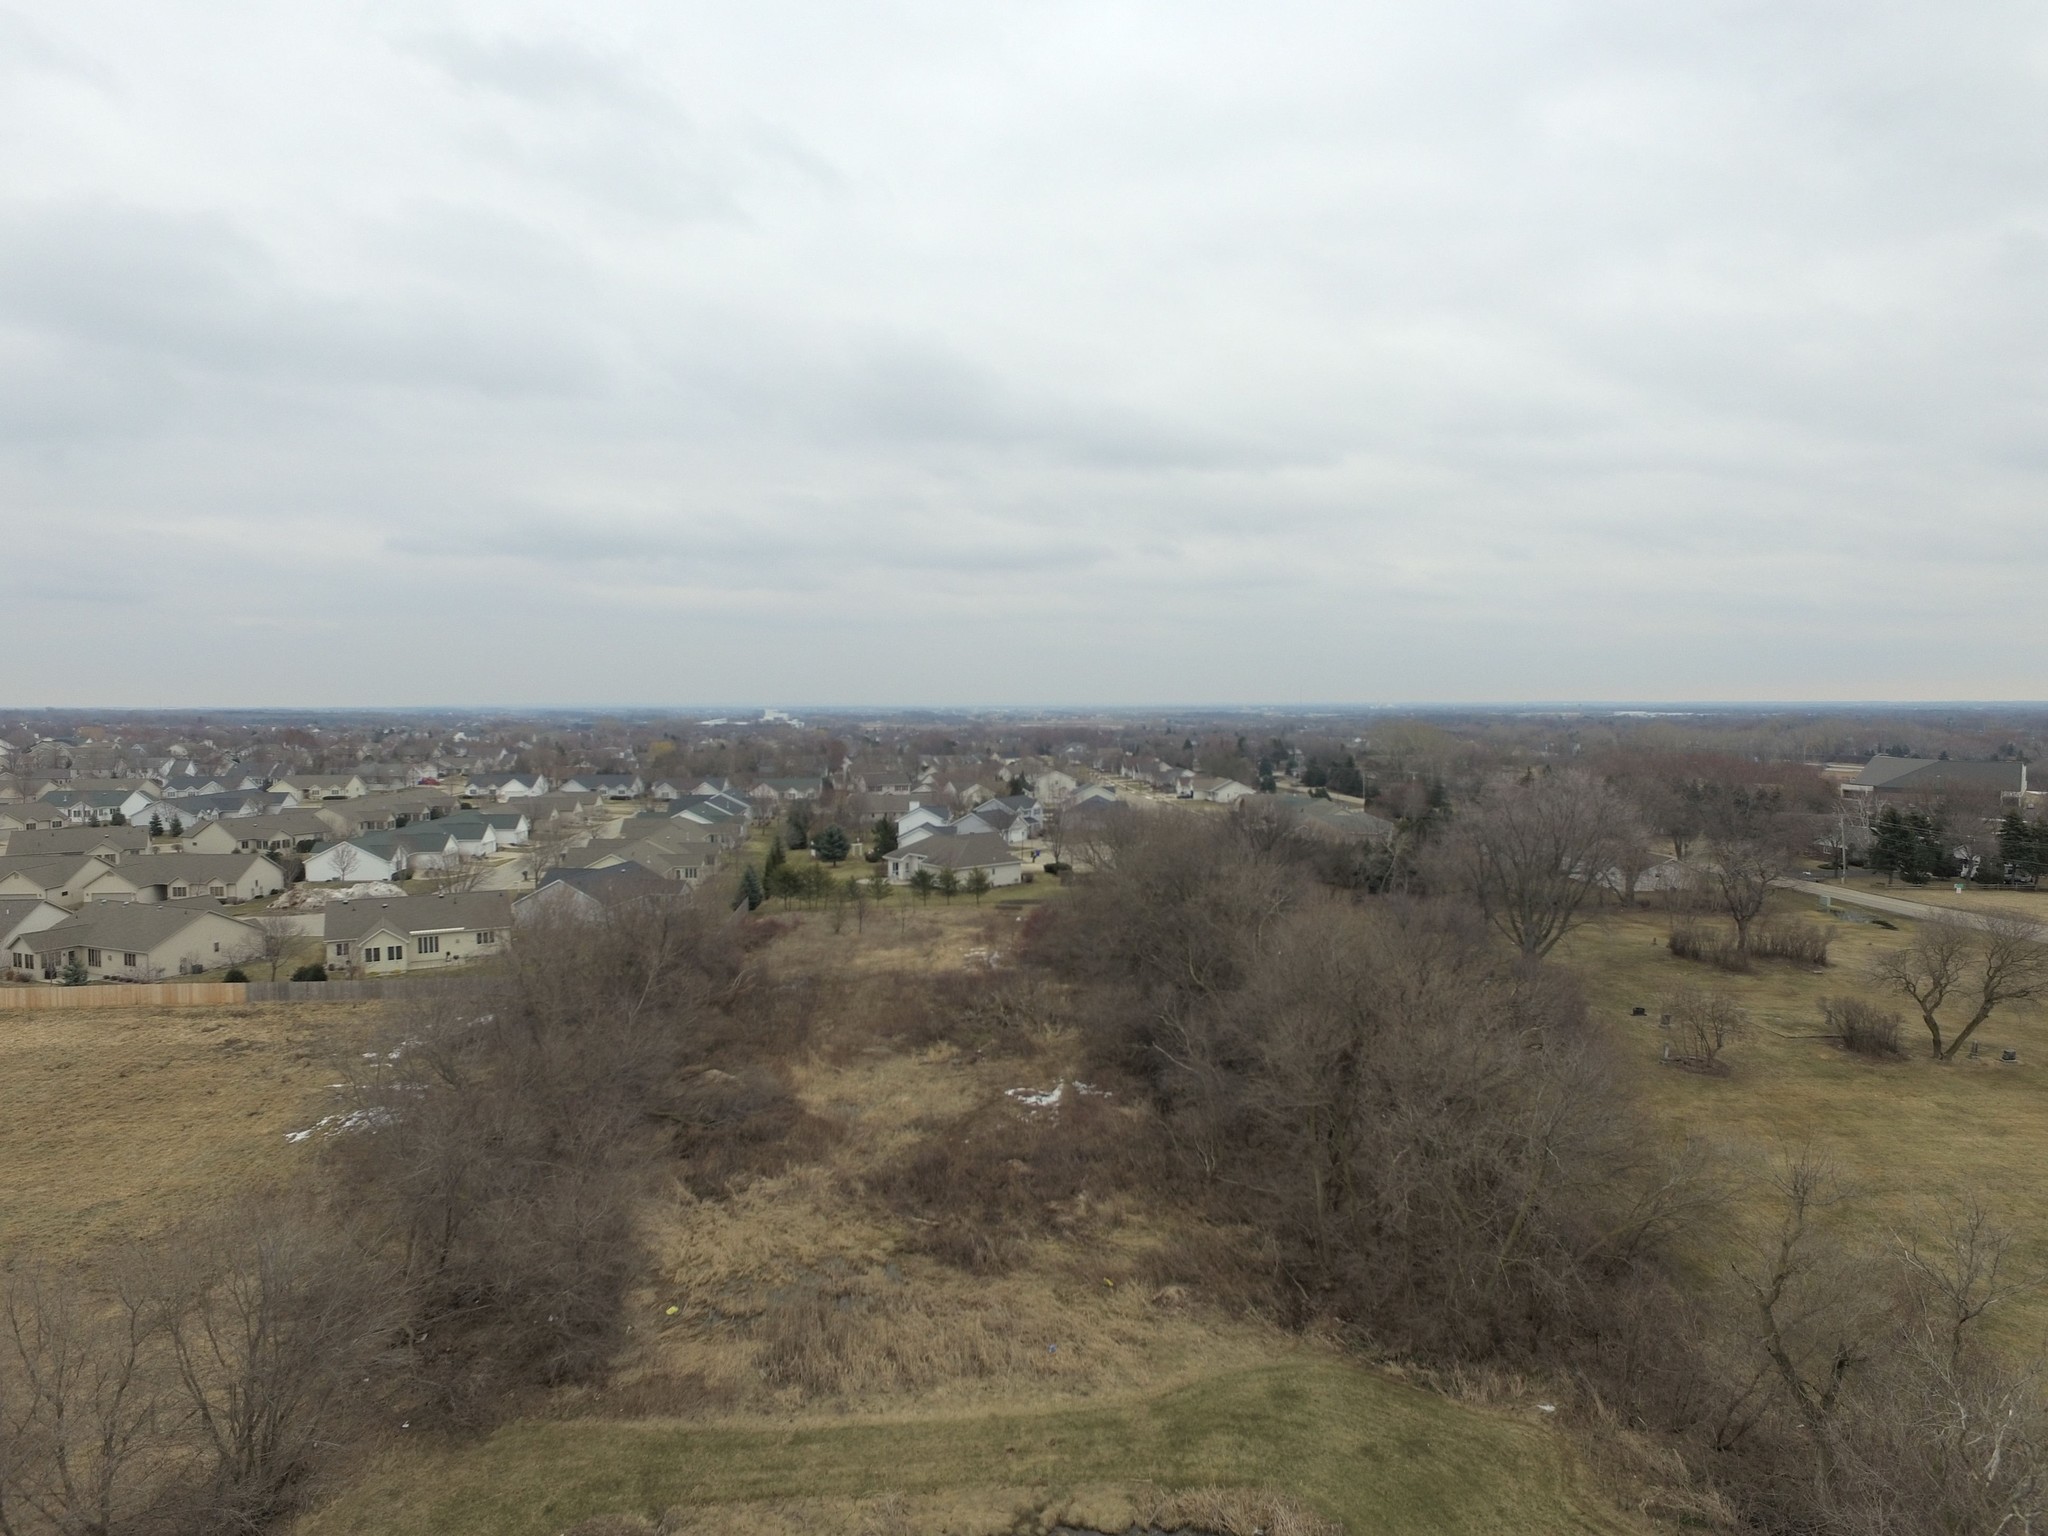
{"x":486,"y":936}
{"x":92,"y":957}
{"x":341,"y":949}
{"x":689,"y":871}
{"x":372,"y":955}
{"x":430,"y":944}
{"x":179,"y":890}
{"x":128,"y":959}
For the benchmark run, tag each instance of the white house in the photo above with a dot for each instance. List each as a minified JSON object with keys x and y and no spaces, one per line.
{"x":963,"y":854}
{"x":385,"y":937}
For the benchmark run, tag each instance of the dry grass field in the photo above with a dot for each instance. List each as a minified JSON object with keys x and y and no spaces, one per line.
{"x":798,"y":1362}
{"x":1906,"y":1135}
{"x":120,"y":1122}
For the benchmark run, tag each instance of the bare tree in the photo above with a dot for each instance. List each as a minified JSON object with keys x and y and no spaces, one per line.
{"x":1976,"y":966}
{"x":270,"y":943}
{"x":546,"y":842}
{"x":79,"y":1407}
{"x":1807,"y":1324}
{"x":1741,"y":874}
{"x":344,"y":858}
{"x":1533,"y":855}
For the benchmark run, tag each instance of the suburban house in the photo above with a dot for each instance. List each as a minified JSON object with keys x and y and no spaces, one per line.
{"x":120,"y":942}
{"x":382,"y":855}
{"x":31,"y":815}
{"x":20,"y":915}
{"x":112,"y":844}
{"x":322,"y":786}
{"x":667,"y":849}
{"x":920,"y":821}
{"x":588,"y":893}
{"x":770,"y":793}
{"x":506,"y":786}
{"x":475,"y":837}
{"x":963,"y":854}
{"x":283,"y":832}
{"x":61,"y":879}
{"x":226,"y":877}
{"x":98,"y":807}
{"x":1221,"y":791}
{"x":613,"y":786}
{"x":385,"y":937}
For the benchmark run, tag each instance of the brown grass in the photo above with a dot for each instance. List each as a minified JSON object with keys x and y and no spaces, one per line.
{"x":121,"y":1122}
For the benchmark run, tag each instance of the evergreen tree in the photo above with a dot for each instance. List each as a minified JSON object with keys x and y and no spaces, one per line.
{"x":1019,"y":785}
{"x":879,"y":887}
{"x":177,"y":825}
{"x":119,"y":820}
{"x":923,"y":883}
{"x":777,"y":857}
{"x":831,"y":845}
{"x":949,"y":883}
{"x":884,"y":838}
{"x":1891,"y":843}
{"x":977,"y":884}
{"x":2015,"y":844}
{"x":156,"y":825}
{"x":1929,"y":852}
{"x":751,"y":894}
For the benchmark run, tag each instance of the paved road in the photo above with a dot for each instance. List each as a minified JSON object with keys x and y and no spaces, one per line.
{"x":1894,"y":906}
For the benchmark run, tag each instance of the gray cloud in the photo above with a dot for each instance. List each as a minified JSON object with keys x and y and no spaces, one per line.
{"x":1568,"y":349}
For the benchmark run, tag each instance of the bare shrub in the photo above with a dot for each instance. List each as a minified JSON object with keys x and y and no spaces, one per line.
{"x":1707,"y":1022}
{"x":1691,"y":940}
{"x":740,"y":1125}
{"x":1427,"y":1129}
{"x":514,"y":1129}
{"x":84,"y":1404}
{"x":1862,"y":1027}
{"x":1803,"y":943}
{"x":270,"y":1317}
{"x":979,"y":1185}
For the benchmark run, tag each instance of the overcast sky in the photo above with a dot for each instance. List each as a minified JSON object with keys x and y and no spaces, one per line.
{"x":797,"y":352}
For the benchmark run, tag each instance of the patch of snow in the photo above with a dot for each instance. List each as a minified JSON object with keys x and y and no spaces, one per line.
{"x":339,"y":1125}
{"x":1053,"y":1097}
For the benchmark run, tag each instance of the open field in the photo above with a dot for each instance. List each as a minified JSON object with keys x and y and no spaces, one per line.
{"x":1907,"y":1134}
{"x":120,"y":1122}
{"x":1067,"y":1382}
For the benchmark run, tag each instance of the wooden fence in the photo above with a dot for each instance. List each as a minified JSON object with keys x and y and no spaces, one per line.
{"x":222,"y":994}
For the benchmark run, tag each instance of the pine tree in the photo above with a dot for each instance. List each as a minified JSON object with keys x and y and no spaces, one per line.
{"x":2015,"y":844}
{"x":777,"y":857}
{"x":177,"y":825}
{"x":751,"y":894}
{"x":831,"y":845}
{"x":1891,"y":843}
{"x":885,"y":837}
{"x":949,"y":883}
{"x":156,"y":825}
{"x":977,"y":884}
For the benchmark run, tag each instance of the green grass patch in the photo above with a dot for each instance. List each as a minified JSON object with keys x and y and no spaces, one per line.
{"x":1368,"y":1451}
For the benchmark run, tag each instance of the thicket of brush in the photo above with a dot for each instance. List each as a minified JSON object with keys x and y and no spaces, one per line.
{"x":468,"y":1242}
